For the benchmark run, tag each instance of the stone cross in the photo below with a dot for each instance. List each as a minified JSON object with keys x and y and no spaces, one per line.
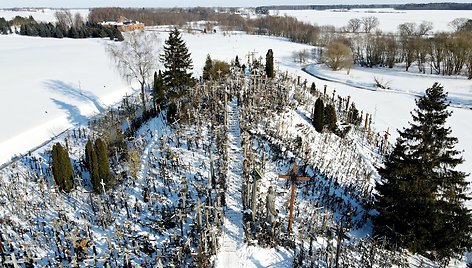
{"x":293,"y":178}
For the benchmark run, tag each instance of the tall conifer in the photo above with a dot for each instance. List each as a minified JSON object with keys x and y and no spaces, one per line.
{"x":421,"y":196}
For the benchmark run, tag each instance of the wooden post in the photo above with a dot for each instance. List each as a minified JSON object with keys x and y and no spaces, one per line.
{"x":293,"y":178}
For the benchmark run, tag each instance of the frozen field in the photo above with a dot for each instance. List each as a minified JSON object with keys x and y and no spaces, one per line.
{"x":389,"y":19}
{"x":44,"y":15}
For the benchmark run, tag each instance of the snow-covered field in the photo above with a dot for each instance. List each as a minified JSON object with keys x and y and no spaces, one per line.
{"x":49,"y":85}
{"x":389,"y":19}
{"x":44,"y":15}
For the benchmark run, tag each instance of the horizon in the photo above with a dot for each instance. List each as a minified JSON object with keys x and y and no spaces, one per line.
{"x":6,"y":4}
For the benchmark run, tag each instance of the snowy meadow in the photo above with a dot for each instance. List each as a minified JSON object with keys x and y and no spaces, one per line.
{"x":389,"y":19}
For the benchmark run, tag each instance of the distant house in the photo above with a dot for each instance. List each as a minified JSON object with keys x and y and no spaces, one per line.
{"x":124,"y":25}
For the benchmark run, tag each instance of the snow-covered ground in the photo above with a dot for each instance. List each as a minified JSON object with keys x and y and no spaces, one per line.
{"x":389,"y":19}
{"x":62,"y":81}
{"x":49,"y":85}
{"x":43,"y":14}
{"x":390,"y":108}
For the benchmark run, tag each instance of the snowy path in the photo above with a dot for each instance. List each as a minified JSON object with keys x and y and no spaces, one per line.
{"x":232,"y":250}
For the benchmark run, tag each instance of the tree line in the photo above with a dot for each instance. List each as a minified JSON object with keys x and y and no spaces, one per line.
{"x":67,"y":25}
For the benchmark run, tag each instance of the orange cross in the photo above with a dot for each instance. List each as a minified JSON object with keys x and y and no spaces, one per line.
{"x":293,"y":177}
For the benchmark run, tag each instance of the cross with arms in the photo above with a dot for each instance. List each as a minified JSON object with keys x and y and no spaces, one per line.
{"x":293,"y":178}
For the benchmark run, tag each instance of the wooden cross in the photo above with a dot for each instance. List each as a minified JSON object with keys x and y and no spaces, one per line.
{"x":293,"y":178}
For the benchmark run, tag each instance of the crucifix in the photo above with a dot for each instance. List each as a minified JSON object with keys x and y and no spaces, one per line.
{"x":293,"y":178}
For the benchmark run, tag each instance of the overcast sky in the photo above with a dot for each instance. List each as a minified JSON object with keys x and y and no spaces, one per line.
{"x":191,"y":3}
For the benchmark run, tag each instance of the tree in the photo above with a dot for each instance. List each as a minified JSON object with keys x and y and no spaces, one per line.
{"x":338,"y":56}
{"x":158,"y":91}
{"x":330,"y":118}
{"x":177,"y":63}
{"x":96,"y":160}
{"x":207,"y":68}
{"x":102,"y":161}
{"x":354,"y":25}
{"x":370,"y":23}
{"x":318,"y":115}
{"x":62,"y":168}
{"x":92,"y":165}
{"x":236,"y":62}
{"x":420,"y":198}
{"x":313,"y":88}
{"x":64,"y":20}
{"x":457,"y":24}
{"x":269,"y":67}
{"x":136,"y":58}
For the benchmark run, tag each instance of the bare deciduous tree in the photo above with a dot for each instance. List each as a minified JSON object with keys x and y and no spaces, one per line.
{"x":137,"y":58}
{"x":354,"y":25}
{"x":64,"y":19}
{"x":457,"y":24}
{"x":370,"y":23}
{"x":78,"y":21}
{"x":424,"y":28}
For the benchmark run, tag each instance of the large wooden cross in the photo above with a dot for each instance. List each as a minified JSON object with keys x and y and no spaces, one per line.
{"x":293,"y":178}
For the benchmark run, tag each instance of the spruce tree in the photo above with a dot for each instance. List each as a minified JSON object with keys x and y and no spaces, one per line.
{"x":207,"y":68}
{"x":269,"y":67}
{"x":177,"y":63}
{"x":420,"y":198}
{"x":62,"y":168}
{"x":103,"y":165}
{"x":318,"y":115}
{"x":330,"y":117}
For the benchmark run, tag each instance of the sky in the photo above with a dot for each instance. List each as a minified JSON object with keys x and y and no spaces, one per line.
{"x":192,"y":3}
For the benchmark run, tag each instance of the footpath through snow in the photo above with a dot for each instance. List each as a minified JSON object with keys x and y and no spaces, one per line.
{"x":232,"y":241}
{"x":233,"y":251}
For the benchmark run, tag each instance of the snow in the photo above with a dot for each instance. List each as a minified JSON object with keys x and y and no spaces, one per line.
{"x":232,"y":240}
{"x":73,"y":80}
{"x":40,"y":15}
{"x":51,"y":85}
{"x":389,"y":19}
{"x":390,"y":108}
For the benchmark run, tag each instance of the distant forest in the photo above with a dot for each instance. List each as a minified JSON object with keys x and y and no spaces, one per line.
{"x":427,"y":6}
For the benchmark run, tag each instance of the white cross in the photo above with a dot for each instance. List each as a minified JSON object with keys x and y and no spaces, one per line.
{"x":103,"y":185}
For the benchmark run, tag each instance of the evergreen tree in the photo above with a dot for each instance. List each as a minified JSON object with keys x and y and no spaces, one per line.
{"x":269,"y":67}
{"x":318,"y":115}
{"x":313,"y":88}
{"x":236,"y":62}
{"x":62,"y":168}
{"x":420,"y":198}
{"x":330,"y":118}
{"x":158,"y":91}
{"x":207,"y":68}
{"x":102,"y":161}
{"x":92,"y":165}
{"x":177,"y":63}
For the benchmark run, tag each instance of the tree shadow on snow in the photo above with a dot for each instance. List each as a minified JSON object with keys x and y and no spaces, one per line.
{"x":74,"y":115}
{"x":76,"y":93}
